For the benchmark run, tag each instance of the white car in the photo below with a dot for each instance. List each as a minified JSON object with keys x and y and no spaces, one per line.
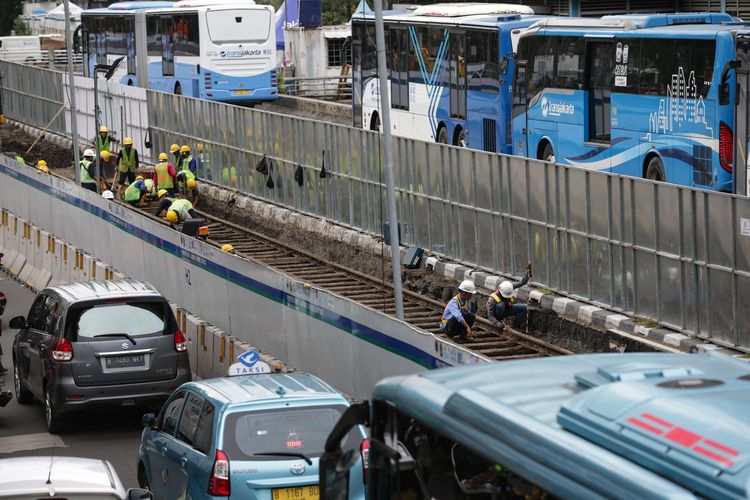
{"x":70,"y":477}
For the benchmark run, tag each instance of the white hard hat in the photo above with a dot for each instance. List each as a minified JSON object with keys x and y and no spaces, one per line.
{"x":108,"y":195}
{"x":468,"y":287}
{"x":506,"y":289}
{"x":88,"y":152}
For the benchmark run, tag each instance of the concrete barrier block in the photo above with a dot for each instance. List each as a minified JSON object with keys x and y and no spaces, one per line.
{"x":28,"y":249}
{"x":223,"y":353}
{"x":100,"y":271}
{"x":41,"y":277}
{"x":117,"y":275}
{"x":191,"y":329}
{"x":88,"y":267}
{"x":205,"y":351}
{"x":70,"y":261}
{"x":56,"y":261}
{"x":10,"y":239}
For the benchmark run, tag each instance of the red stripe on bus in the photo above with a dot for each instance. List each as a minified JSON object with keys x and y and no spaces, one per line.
{"x":656,"y":419}
{"x":713,"y":456}
{"x":722,"y":447}
{"x":683,"y":437}
{"x":643,"y":425}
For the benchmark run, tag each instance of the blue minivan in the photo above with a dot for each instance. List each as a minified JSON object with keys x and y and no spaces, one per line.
{"x":250,"y":436}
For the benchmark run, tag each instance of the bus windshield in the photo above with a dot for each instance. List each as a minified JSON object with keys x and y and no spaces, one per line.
{"x":238,"y":25}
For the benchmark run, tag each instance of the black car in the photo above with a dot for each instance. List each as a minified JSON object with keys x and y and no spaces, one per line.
{"x":98,"y":344}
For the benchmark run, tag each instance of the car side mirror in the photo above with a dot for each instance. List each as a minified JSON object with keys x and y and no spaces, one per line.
{"x":139,"y":493}
{"x":148,"y":420}
{"x":17,"y":323}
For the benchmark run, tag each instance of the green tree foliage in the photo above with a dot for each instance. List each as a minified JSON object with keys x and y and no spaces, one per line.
{"x":9,"y":11}
{"x":20,"y":27}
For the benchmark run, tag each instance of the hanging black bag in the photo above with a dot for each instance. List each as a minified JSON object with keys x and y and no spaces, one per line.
{"x":323,"y":173}
{"x":299,"y":175}
{"x":262,"y":165}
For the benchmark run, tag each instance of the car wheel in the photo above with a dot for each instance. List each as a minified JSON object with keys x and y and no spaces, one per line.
{"x":655,"y":169}
{"x":23,"y":395}
{"x":50,"y":414}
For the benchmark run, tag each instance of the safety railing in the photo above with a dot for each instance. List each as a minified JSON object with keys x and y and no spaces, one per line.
{"x":674,"y":255}
{"x":333,"y":88}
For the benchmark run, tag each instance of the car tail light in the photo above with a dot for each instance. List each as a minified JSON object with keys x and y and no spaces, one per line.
{"x":218,"y":484}
{"x":63,"y":350}
{"x":364,"y":450}
{"x":180,"y":344}
{"x":726,"y":147}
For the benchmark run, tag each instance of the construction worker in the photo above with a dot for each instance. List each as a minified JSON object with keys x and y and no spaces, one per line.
{"x":180,"y":210}
{"x":151,"y":187}
{"x":20,"y":159}
{"x":41,"y":165}
{"x":165,"y":201}
{"x":204,"y":168}
{"x":187,"y":162}
{"x":88,"y":171}
{"x":502,"y":304}
{"x":127,"y":161}
{"x":165,"y":176}
{"x":458,"y":317}
{"x":104,"y":141}
{"x":137,"y":191}
{"x":174,"y":149}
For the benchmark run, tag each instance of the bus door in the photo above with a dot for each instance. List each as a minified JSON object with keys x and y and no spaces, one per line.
{"x":520,"y":109}
{"x":599,"y":86}
{"x":458,"y":75}
{"x":742,"y":117}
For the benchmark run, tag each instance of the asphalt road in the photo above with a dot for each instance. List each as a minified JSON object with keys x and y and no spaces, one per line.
{"x":111,"y":436}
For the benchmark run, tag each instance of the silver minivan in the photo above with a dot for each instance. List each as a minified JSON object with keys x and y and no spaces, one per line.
{"x":98,"y":344}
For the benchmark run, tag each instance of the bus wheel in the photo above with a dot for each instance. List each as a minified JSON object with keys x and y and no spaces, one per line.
{"x":655,"y":169}
{"x":461,"y":140}
{"x":130,"y":83}
{"x":442,"y":137}
{"x":178,"y":89}
{"x":548,"y":154}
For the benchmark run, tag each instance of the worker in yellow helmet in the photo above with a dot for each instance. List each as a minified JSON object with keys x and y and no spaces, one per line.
{"x":127,"y":161}
{"x":104,"y":140}
{"x":41,"y":165}
{"x":187,"y":162}
{"x":165,"y":175}
{"x":180,"y":210}
{"x":227,"y":248}
{"x":174,"y":149}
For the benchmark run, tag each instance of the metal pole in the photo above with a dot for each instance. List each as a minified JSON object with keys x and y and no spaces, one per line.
{"x":96,"y":127}
{"x":72,"y":93}
{"x":385,"y":111}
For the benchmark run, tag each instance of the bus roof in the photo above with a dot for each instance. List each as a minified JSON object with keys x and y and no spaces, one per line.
{"x":138,"y":5}
{"x":625,"y":417}
{"x":509,"y":21}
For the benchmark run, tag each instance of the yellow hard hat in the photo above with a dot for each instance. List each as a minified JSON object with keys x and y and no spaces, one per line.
{"x":200,"y":146}
{"x":191,"y":184}
{"x":174,"y":148}
{"x":104,"y":155}
{"x":185,"y":149}
{"x":41,"y":163}
{"x":43,"y":168}
{"x":161,"y":193}
{"x":227,"y":248}
{"x":172,"y":216}
{"x":103,"y":128}
{"x":128,"y":141}
{"x":139,"y":177}
{"x":163,"y":156}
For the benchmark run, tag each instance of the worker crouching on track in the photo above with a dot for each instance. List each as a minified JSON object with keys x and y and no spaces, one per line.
{"x":176,"y":210}
{"x":137,"y":191}
{"x":165,"y":176}
{"x":127,"y":164}
{"x":459,"y":314}
{"x":502,"y":303}
{"x":187,"y":185}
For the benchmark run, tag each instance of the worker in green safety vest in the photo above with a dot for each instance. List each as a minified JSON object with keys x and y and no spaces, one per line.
{"x":88,"y":171}
{"x":165,"y":176}
{"x":137,"y":191}
{"x":127,"y":161}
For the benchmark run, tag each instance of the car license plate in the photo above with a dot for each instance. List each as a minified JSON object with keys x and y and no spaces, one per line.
{"x":241,"y":92}
{"x":300,"y":493}
{"x":130,"y":361}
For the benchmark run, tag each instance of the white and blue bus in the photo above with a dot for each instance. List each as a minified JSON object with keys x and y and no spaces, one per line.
{"x":650,"y":96}
{"x":223,"y":50}
{"x":627,"y":426}
{"x":450,"y":68}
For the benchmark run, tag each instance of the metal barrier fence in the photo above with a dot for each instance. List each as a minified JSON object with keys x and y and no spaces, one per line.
{"x":675,"y":255}
{"x":33,"y":94}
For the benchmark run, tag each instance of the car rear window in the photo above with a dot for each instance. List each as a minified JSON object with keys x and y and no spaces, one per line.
{"x":283,"y":430}
{"x":135,"y":318}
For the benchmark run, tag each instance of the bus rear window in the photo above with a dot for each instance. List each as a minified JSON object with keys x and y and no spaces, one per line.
{"x":238,"y":25}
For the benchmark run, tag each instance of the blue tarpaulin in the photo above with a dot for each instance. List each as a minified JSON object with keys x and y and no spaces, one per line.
{"x":287,"y":15}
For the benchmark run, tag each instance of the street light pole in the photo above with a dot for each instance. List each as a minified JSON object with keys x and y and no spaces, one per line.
{"x":96,"y":128}
{"x":72,"y":90}
{"x":385,"y":112}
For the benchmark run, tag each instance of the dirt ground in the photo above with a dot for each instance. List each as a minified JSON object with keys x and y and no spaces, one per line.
{"x":543,"y":324}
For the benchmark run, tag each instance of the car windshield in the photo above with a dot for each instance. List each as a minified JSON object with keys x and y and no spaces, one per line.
{"x":284,"y":430}
{"x":99,"y":322}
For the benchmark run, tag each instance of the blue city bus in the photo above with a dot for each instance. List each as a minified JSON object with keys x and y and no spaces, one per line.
{"x":223,"y":50}
{"x":649,"y":96}
{"x":450,"y":68}
{"x":636,"y":425}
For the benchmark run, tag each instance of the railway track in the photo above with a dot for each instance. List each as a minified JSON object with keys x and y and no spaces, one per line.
{"x":419,"y":310}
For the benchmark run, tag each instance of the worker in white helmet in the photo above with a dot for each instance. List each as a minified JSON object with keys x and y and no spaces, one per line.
{"x":88,"y":170}
{"x":502,"y":303}
{"x":458,"y":317}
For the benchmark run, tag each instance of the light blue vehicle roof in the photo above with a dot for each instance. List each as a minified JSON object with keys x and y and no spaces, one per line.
{"x":265,"y":387}
{"x":119,"y":7}
{"x":615,"y":425}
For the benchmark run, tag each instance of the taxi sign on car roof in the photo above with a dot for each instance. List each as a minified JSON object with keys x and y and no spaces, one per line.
{"x":249,"y":363}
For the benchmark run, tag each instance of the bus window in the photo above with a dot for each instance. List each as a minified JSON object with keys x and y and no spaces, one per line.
{"x":409,"y":460}
{"x":166,"y":33}
{"x":599,"y":85}
{"x":483,"y":62}
{"x":656,"y":66}
{"x":571,"y":59}
{"x":626,"y":69}
{"x":186,"y":35}
{"x":541,"y":57}
{"x":694,"y":59}
{"x":153,"y":36}
{"x":399,"y":53}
